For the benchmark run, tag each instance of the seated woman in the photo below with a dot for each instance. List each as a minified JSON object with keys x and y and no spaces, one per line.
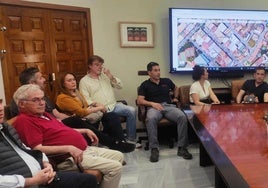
{"x":72,"y":102}
{"x":200,"y":91}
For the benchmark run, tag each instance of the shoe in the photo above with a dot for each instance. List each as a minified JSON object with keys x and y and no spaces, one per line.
{"x":122,"y":146}
{"x":137,"y":144}
{"x":154,"y":155}
{"x":183,"y":152}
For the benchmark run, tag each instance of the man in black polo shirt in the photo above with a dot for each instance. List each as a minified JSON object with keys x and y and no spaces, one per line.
{"x":254,"y":90}
{"x":155,"y":94}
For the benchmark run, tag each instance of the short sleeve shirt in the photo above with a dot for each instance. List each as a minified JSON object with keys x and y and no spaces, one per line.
{"x":157,"y":92}
{"x":250,"y":88}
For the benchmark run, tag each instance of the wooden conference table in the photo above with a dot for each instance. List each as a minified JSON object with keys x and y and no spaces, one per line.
{"x":235,"y":139}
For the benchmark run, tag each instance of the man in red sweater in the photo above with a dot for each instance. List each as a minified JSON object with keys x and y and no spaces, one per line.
{"x":41,"y":131}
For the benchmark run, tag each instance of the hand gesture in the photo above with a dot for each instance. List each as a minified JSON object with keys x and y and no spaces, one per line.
{"x":216,"y":102}
{"x":50,"y":171}
{"x":76,"y":153}
{"x":44,"y":177}
{"x":107,"y":72}
{"x":94,"y":139}
{"x":157,"y":106}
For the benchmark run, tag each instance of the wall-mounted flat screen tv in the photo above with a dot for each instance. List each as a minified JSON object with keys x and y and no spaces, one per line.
{"x":227,"y":41}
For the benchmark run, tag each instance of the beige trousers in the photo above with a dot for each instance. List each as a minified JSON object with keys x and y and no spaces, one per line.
{"x":108,"y":161}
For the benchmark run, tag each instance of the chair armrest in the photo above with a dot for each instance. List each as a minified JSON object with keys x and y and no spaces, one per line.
{"x":12,"y":120}
{"x":55,"y":159}
{"x":142,"y":110}
{"x":122,"y":101}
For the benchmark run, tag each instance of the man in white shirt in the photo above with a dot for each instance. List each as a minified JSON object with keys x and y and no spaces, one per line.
{"x":97,"y":86}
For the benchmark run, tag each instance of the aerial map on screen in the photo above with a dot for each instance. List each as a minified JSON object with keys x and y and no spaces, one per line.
{"x":220,"y":39}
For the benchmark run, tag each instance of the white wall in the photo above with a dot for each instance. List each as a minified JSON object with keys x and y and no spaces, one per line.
{"x":125,"y":62}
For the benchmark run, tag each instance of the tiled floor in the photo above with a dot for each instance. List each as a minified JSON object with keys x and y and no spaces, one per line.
{"x":170,"y":172}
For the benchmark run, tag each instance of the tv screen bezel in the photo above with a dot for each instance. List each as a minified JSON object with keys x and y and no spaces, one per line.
{"x":233,"y":71}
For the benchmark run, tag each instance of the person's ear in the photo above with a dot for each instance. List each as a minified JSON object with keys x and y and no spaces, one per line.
{"x":31,"y":82}
{"x":21,"y":104}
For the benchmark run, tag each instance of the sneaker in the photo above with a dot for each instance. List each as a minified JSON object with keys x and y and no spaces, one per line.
{"x":137,"y":144}
{"x":154,"y":155}
{"x":183,"y":152}
{"x":124,"y":147}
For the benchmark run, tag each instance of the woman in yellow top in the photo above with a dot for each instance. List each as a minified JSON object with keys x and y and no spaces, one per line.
{"x":72,"y":102}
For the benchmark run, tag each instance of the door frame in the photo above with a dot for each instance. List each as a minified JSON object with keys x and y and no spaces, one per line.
{"x":3,"y":61}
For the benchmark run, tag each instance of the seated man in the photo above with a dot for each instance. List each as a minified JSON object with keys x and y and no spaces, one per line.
{"x":21,"y":167}
{"x":97,"y":86}
{"x":32,"y":75}
{"x":254,"y":90}
{"x":154,"y":93}
{"x":41,"y":131}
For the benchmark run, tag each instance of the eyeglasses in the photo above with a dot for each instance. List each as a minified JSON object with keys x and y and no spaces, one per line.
{"x":36,"y":100}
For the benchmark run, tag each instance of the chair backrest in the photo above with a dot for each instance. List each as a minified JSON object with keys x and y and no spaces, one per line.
{"x":7,"y":111}
{"x":236,"y":85}
{"x":184,"y":96}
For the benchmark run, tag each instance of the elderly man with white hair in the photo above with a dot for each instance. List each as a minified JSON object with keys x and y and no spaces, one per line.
{"x":41,"y":131}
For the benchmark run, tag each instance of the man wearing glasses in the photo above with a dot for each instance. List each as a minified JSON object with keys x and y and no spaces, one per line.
{"x":97,"y":86}
{"x":41,"y":131}
{"x":21,"y":167}
{"x":32,"y":75}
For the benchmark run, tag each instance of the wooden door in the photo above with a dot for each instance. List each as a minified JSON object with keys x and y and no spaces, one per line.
{"x":55,"y":41}
{"x":68,"y":36}
{"x":27,"y":44}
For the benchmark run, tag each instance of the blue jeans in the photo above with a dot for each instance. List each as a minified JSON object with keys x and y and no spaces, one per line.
{"x":172,"y":113}
{"x":130,"y":113}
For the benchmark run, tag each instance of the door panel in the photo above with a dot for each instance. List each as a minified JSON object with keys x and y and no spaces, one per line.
{"x":26,"y":43}
{"x":55,"y":41}
{"x":68,"y":36}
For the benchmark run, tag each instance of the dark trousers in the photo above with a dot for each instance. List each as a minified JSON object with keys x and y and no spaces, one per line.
{"x":112,"y":126}
{"x":73,"y":180}
{"x":77,"y":123}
